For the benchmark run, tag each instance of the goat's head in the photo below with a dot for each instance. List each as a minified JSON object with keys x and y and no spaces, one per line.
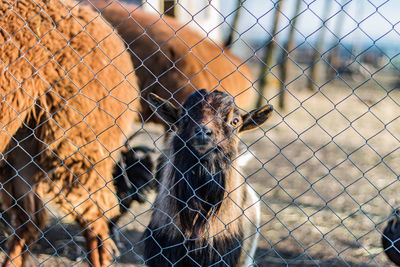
{"x":209,"y":121}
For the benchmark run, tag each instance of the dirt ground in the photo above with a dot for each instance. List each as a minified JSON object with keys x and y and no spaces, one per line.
{"x":326,"y":171}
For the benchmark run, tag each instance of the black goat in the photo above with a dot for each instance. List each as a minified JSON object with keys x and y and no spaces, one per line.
{"x":133,"y":176}
{"x":205,"y":213}
{"x":391,"y":238}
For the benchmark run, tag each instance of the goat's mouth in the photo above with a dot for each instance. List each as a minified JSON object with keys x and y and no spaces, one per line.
{"x":202,"y":147}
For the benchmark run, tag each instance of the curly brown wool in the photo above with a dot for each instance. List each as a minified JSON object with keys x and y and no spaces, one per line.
{"x":68,"y":98}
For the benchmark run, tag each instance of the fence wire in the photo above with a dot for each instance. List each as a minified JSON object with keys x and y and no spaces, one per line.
{"x":199,"y":133}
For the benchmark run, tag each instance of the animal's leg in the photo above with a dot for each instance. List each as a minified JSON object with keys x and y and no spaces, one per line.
{"x":18,"y":175}
{"x":30,"y":219}
{"x":92,"y":243}
{"x":10,"y":121}
{"x":88,"y":192}
{"x":99,"y":245}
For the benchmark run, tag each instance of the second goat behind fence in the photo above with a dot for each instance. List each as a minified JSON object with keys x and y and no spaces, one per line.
{"x":205,"y":213}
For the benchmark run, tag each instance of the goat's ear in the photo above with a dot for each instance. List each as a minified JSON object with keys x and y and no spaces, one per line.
{"x":255,"y":118}
{"x":163,"y":108}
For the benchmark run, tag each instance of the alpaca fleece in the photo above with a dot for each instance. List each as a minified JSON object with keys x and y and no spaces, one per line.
{"x":68,"y":99}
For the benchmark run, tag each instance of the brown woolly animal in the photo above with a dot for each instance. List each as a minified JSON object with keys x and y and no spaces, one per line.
{"x":205,"y":213}
{"x":68,"y":96}
{"x":172,"y":60}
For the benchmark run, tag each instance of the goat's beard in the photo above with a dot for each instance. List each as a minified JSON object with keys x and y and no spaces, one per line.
{"x":199,"y":188}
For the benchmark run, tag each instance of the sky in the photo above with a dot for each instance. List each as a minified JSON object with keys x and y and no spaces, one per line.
{"x":364,"y":23}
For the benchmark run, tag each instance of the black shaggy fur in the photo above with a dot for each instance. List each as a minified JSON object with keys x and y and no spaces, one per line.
{"x":162,"y":251}
{"x":391,"y":238}
{"x":200,"y":183}
{"x":193,"y":195}
{"x":132,"y":177}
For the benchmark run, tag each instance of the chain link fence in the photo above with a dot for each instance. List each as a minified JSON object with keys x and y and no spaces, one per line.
{"x":113,"y":155}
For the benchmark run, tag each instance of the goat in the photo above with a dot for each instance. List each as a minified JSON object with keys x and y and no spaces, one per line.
{"x":391,"y":238}
{"x":133,"y":178}
{"x":172,"y":60}
{"x":205,"y":211}
{"x":69,"y":97}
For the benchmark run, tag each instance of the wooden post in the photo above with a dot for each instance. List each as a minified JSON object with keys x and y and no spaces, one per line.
{"x":269,"y":49}
{"x":233,"y":29}
{"x":288,"y":47}
{"x":169,"y":8}
{"x":314,"y":69}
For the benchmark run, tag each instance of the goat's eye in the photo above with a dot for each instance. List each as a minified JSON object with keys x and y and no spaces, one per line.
{"x":235,"y":121}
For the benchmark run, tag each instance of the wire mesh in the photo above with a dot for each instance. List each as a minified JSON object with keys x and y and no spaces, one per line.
{"x":112,"y":154}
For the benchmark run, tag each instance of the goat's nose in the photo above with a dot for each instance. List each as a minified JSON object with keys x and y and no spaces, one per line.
{"x":207,"y":130}
{"x":203,"y":131}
